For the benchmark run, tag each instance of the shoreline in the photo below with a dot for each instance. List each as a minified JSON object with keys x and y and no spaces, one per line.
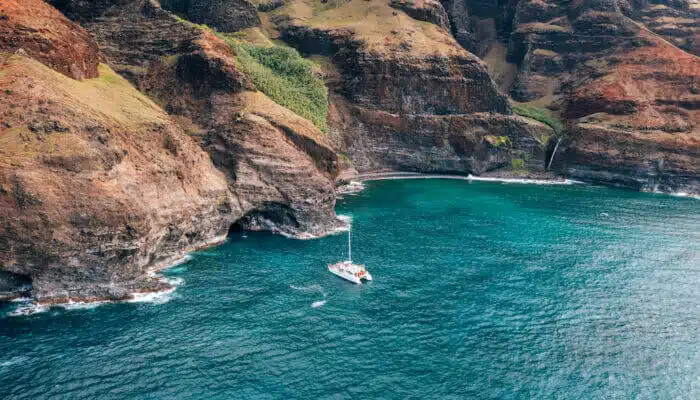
{"x":157,"y":296}
{"x":383,"y":176}
{"x":355,"y":185}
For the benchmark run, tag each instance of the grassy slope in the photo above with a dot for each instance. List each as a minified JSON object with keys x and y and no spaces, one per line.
{"x":539,"y":114}
{"x":108,"y":98}
{"x":383,"y":28}
{"x":283,"y":75}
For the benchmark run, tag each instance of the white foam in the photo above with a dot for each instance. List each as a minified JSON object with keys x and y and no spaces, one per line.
{"x":28,"y":309}
{"x":317,"y":304}
{"x":684,"y":194}
{"x":308,"y":236}
{"x":81,"y":305}
{"x":161,"y":297}
{"x":352,"y":188}
{"x":524,"y":181}
{"x":13,"y":361}
{"x":379,"y":177}
{"x":310,"y":288}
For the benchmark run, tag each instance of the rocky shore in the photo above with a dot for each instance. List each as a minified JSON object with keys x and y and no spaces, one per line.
{"x":135,"y":131}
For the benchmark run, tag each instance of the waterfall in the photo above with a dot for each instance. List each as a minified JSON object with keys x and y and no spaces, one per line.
{"x":556,"y":146}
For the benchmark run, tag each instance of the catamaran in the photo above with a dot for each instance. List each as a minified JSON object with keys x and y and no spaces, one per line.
{"x":354,"y":273}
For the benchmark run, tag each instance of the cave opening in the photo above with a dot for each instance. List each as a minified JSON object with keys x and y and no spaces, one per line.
{"x":14,"y":285}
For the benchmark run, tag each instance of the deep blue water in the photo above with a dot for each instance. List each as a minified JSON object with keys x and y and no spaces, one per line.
{"x":481,"y":290}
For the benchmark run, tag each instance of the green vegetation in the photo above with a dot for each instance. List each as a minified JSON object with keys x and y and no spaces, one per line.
{"x":285,"y":77}
{"x":202,"y":27}
{"x":539,"y":114}
{"x":518,"y":165}
{"x":498,"y":141}
{"x":544,"y":140}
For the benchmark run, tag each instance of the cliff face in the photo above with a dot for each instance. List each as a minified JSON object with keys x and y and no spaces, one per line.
{"x":404,"y":94}
{"x":42,"y":33}
{"x":99,"y":185}
{"x":196,"y":77}
{"x":612,"y":70}
{"x":225,"y":15}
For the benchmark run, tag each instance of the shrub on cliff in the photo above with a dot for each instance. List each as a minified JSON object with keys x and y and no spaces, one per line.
{"x":539,"y":114}
{"x":285,"y":77}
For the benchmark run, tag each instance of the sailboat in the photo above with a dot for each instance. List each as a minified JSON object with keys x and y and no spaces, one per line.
{"x":348,"y":270}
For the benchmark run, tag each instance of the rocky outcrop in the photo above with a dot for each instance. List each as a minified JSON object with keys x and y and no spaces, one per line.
{"x":424,"y":10}
{"x":13,"y":286}
{"x":36,"y":29}
{"x":224,"y":15}
{"x":99,"y":186}
{"x":151,"y":32}
{"x":196,"y":77}
{"x":278,"y":164}
{"x":648,"y":161}
{"x":477,"y":23}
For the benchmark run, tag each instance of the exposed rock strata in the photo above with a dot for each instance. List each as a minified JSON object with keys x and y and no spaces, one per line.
{"x":40,"y":31}
{"x":195,"y":76}
{"x":625,"y":92}
{"x":98,"y":185}
{"x":411,"y":106}
{"x":224,"y":15}
{"x":477,"y":23}
{"x":458,"y":144}
{"x":678,"y":20}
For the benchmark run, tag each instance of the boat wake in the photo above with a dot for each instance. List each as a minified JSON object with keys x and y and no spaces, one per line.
{"x":312,"y":289}
{"x":317,"y":304}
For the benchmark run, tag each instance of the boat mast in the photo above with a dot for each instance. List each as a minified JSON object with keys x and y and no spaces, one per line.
{"x":349,"y":246}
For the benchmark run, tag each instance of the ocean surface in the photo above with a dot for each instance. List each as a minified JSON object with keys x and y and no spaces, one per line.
{"x":481,"y":290}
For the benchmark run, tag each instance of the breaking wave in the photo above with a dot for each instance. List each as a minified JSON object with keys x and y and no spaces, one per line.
{"x":158,"y":297}
{"x":343,"y":226}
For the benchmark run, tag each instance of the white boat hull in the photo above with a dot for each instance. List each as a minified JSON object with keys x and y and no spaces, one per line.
{"x":350,"y":272}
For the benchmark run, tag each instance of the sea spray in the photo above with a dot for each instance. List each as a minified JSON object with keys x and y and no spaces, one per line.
{"x":343,"y":226}
{"x":27,"y":307}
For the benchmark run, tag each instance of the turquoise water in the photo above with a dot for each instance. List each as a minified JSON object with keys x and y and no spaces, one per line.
{"x":481,"y":290}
